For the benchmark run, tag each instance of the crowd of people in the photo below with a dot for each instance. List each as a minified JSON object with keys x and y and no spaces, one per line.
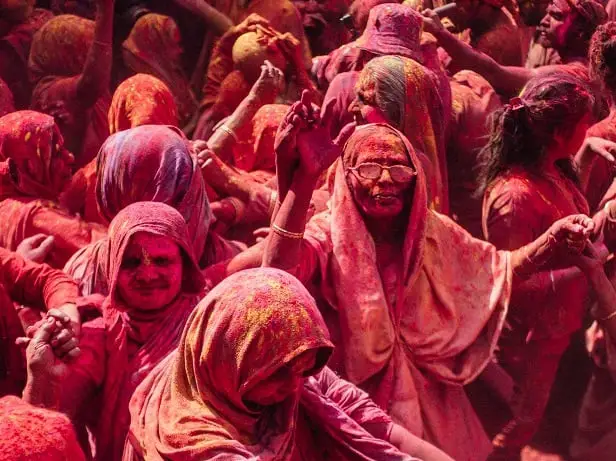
{"x":307,"y":230}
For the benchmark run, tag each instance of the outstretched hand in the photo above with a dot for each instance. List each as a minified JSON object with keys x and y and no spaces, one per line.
{"x":571,"y":233}
{"x":269,"y":85}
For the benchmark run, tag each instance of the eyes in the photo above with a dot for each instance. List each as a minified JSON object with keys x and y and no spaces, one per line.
{"x":134,"y":262}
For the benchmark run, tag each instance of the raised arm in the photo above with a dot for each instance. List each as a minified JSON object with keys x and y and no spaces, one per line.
{"x":213,"y":18}
{"x":96,"y":75}
{"x":506,"y":80}
{"x":304,"y":151}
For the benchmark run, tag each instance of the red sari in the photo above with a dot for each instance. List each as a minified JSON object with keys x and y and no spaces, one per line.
{"x":192,"y":406}
{"x":57,"y":59}
{"x":119,"y":350}
{"x":414,"y":337}
{"x":28,"y":200}
{"x":153,"y":47}
{"x":149,"y":163}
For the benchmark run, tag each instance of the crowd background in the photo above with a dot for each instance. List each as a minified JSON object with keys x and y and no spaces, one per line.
{"x":307,"y":229}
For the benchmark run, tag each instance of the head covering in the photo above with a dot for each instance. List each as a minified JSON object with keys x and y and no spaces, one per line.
{"x":257,"y":151}
{"x":407,"y":339}
{"x":251,"y":49}
{"x":142,"y":100}
{"x":153,"y":163}
{"x":153,"y":47}
{"x":60,"y":47}
{"x":192,"y":406}
{"x":28,"y":141}
{"x":7,"y":104}
{"x":31,"y":433}
{"x":422,"y":115}
{"x":155,"y":333}
{"x":392,"y":29}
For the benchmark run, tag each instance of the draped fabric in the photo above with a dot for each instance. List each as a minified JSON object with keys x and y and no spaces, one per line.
{"x":142,"y":100}
{"x":150,"y":162}
{"x":29,"y":187}
{"x":422,"y":116}
{"x":192,"y":406}
{"x":56,"y":62}
{"x":136,"y":340}
{"x":153,"y":47}
{"x":412,"y":339}
{"x":7,"y":103}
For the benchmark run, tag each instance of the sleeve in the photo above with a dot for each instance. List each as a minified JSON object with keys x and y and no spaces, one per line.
{"x":220,"y":66}
{"x":71,"y":233}
{"x":357,"y":404}
{"x":36,"y":284}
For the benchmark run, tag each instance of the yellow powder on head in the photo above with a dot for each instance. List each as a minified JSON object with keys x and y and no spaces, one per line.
{"x":251,"y":50}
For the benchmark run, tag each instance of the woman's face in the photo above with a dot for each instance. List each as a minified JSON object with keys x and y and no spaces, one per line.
{"x":285,"y":382}
{"x":382,"y":197}
{"x":150,"y":276}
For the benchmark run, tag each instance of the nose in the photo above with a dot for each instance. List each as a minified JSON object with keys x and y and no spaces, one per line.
{"x":146,"y":273}
{"x":385,"y":176}
{"x":545,"y":22}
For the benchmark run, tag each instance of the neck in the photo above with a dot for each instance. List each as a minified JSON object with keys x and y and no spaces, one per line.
{"x":548,"y":165}
{"x":387,"y":230}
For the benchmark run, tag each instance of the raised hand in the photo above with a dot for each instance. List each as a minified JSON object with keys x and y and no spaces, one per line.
{"x":269,"y":85}
{"x":432,"y":22}
{"x":36,"y":248}
{"x":572,"y":232}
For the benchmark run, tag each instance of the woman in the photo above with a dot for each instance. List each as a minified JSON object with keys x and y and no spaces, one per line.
{"x":403,"y":93}
{"x":149,"y":163}
{"x":529,"y":182}
{"x":219,"y":396}
{"x":414,"y":304}
{"x":35,"y":168}
{"x":154,"y":284}
{"x":19,"y":21}
{"x":70,"y":67}
{"x":153,"y":47}
{"x":139,"y":100}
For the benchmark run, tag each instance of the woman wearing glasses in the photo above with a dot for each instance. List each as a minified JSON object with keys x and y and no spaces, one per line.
{"x":413,"y":303}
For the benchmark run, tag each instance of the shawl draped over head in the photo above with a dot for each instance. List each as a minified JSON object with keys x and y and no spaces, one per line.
{"x":153,"y":47}
{"x":142,"y":100}
{"x":57,"y":59}
{"x":422,"y":115}
{"x":257,"y":152}
{"x":28,"y":141}
{"x":192,"y":406}
{"x":147,"y":163}
{"x":411,"y":341}
{"x":33,"y":433}
{"x":155,"y":333}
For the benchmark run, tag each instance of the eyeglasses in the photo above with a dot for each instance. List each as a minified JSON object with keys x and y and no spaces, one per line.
{"x":373,"y":171}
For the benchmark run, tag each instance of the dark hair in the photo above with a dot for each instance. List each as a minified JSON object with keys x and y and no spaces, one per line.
{"x":522,"y":130}
{"x":602,"y":56}
{"x":589,"y":15}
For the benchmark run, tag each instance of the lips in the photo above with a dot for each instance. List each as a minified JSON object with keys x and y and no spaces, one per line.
{"x":385,"y":198}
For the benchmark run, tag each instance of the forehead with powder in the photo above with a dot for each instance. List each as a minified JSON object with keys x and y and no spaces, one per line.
{"x":376,"y":145}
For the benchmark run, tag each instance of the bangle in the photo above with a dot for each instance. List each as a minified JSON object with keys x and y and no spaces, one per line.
{"x":238,"y":206}
{"x":607,"y":213}
{"x":607,"y":317}
{"x":288,"y":234}
{"x":229,"y":131}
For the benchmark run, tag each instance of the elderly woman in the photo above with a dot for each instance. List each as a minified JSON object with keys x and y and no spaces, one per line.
{"x":154,"y":284}
{"x":220,"y":396}
{"x":414,"y":304}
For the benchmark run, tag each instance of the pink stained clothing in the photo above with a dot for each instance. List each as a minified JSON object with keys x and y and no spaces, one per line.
{"x":120,"y":349}
{"x":29,"y":187}
{"x":415,"y":337}
{"x":601,"y":175}
{"x":342,"y":91}
{"x":193,"y":407}
{"x":474,"y":100}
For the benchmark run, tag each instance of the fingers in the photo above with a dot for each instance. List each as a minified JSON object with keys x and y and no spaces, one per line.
{"x":46,"y":245}
{"x":45,"y":332}
{"x":35,"y":240}
{"x":327,"y":114}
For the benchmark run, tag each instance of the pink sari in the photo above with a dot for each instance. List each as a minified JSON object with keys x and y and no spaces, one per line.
{"x":136,"y":340}
{"x":411,"y":341}
{"x":192,"y":405}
